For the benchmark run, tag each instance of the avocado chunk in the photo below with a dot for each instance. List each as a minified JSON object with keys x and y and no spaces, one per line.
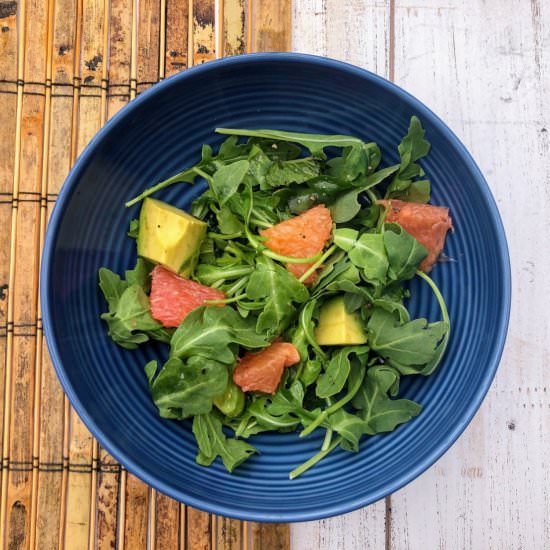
{"x":169,"y":236}
{"x":337,"y":327}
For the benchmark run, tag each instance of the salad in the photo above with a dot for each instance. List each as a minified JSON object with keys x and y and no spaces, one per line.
{"x":282,"y":295}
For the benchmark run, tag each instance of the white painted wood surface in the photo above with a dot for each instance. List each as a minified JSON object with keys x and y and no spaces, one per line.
{"x":484,"y":67}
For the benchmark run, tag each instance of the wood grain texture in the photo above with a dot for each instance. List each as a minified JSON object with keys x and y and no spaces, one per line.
{"x":198,"y":529}
{"x":482,"y":65}
{"x":234,"y":34}
{"x":491,"y":489}
{"x":357,"y":32}
{"x":137,"y":506}
{"x":203,"y":34}
{"x":167,"y":523}
{"x":177,"y":36}
{"x":271,"y":25}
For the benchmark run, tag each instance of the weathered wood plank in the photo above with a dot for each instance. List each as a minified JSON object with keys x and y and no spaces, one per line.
{"x":229,"y":533}
{"x":233,"y":36}
{"x":357,"y":32}
{"x":269,"y":536}
{"x":271,"y":25}
{"x":484,"y":67}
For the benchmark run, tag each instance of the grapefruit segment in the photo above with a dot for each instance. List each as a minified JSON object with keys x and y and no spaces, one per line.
{"x":300,"y":237}
{"x":427,"y":223}
{"x":262,"y":371}
{"x":173,"y":297}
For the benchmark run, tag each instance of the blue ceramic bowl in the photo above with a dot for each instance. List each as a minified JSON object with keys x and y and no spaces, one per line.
{"x":160,"y":133}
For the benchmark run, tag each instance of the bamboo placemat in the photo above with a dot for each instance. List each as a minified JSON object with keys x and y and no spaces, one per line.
{"x":66,"y":66}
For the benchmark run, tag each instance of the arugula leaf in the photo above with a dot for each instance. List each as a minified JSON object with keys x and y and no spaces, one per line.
{"x":316,"y":143}
{"x":409,"y":346}
{"x":353,"y":163}
{"x":186,"y":389}
{"x":366,"y":251}
{"x":379,"y":412}
{"x":310,"y":372}
{"x":418,"y":191}
{"x":231,"y":150}
{"x":129,"y":318}
{"x":227,"y":179}
{"x":349,"y":426}
{"x":334,"y":378}
{"x":346,"y":206}
{"x":212,"y":442}
{"x":280,"y":289}
{"x":140,"y":275}
{"x":133,"y":230}
{"x":404,"y":252}
{"x":283,"y":173}
{"x":210,"y":332}
{"x":277,"y":150}
{"x":413,"y":147}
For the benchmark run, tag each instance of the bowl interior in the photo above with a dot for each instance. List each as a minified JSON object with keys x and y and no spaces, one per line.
{"x":161,"y":133}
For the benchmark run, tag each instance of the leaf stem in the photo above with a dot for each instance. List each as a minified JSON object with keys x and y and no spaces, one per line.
{"x":333,"y":408}
{"x":314,"y":459}
{"x":327,"y":440}
{"x":203,"y":174}
{"x":225,"y":301}
{"x":161,"y":185}
{"x":290,"y":259}
{"x":432,"y":365}
{"x":317,"y":264}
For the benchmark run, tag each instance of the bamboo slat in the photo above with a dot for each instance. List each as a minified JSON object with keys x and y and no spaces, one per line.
{"x":199,"y":530}
{"x":148,"y":44}
{"x":120,"y":55}
{"x":176,"y":42}
{"x":137,"y":505}
{"x":49,"y":404}
{"x":8,"y":125}
{"x":167,"y":523}
{"x":80,"y":513}
{"x":22,"y":311}
{"x":78,"y":63}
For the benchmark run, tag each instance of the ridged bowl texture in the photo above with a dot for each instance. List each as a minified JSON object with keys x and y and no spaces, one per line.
{"x":161,"y":133}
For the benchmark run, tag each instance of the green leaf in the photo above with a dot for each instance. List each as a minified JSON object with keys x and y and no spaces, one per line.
{"x":280,"y":289}
{"x":310,"y":372}
{"x":227,"y":179}
{"x":140,"y":275}
{"x":212,"y":442}
{"x":418,"y":191}
{"x":150,"y":371}
{"x":259,"y":167}
{"x":231,"y":149}
{"x":353,"y":163}
{"x":209,"y":332}
{"x":404,"y":252}
{"x":409,"y":346}
{"x":283,"y":173}
{"x":188,"y":388}
{"x":316,"y":143}
{"x":413,"y":147}
{"x":133,"y":230}
{"x":379,"y":412}
{"x":346,"y":206}
{"x":349,"y":426}
{"x":129,"y":318}
{"x":334,"y":378}
{"x":366,"y":252}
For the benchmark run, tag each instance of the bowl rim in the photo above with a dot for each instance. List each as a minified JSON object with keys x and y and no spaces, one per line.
{"x":111,"y":446}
